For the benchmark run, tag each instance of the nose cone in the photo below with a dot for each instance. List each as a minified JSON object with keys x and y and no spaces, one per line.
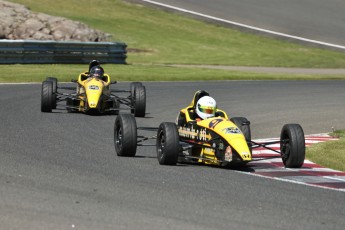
{"x":92,"y":104}
{"x":234,"y":137}
{"x":94,"y":89}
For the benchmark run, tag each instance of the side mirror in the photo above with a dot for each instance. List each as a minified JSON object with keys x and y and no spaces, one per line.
{"x":113,"y":82}
{"x":74,"y":81}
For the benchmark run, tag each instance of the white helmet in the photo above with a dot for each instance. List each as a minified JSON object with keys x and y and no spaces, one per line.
{"x":206,"y":107}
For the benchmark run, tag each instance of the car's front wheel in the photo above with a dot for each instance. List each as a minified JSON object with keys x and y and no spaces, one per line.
{"x":125,"y":135}
{"x":292,"y":145}
{"x":167,"y":145}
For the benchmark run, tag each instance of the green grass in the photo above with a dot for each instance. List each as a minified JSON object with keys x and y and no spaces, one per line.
{"x":329,"y":154}
{"x":156,"y":37}
{"x":165,"y":38}
{"x":37,"y":73}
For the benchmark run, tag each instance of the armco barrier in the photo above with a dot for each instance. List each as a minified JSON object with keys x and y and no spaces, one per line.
{"x":55,"y":52}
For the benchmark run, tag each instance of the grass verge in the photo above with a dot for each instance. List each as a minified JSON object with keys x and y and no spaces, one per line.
{"x":66,"y":72}
{"x":330,"y":154}
{"x":159,"y":37}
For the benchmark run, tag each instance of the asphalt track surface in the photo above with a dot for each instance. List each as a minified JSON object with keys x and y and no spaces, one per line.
{"x":310,"y":19}
{"x":60,"y":171}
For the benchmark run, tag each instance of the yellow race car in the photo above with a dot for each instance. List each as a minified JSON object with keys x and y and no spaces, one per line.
{"x":92,"y":94}
{"x":215,"y":141}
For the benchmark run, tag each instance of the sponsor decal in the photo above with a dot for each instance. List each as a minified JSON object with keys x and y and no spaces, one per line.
{"x":232,"y":130}
{"x":93,"y":87}
{"x":196,"y":134}
{"x":214,"y":123}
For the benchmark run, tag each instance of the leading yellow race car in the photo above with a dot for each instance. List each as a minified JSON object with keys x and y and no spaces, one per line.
{"x":92,"y":94}
{"x":215,"y":141}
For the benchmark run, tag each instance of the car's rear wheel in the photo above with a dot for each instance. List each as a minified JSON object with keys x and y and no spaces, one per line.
{"x":140,"y":101}
{"x":54,"y":80}
{"x":133,"y":85}
{"x":292,"y":145}
{"x":167,"y":145}
{"x":125,"y":135}
{"x":244,"y":125}
{"x":47,"y":100}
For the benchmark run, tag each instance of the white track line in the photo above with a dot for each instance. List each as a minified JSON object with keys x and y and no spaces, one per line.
{"x":292,"y":181}
{"x":246,"y":26}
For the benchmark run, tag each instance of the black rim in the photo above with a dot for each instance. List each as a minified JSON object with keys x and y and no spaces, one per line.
{"x":161,"y":145}
{"x":285,"y":149}
{"x":119,"y":138}
{"x":285,"y":152}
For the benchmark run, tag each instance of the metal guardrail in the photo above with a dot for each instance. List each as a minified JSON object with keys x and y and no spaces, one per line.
{"x":64,"y":52}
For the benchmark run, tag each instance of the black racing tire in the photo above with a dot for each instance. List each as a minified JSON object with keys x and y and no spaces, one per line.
{"x":54,"y":80}
{"x":132,"y":87}
{"x":125,"y":135}
{"x":47,"y":97}
{"x":167,"y":145}
{"x":244,"y":125}
{"x":140,"y":101}
{"x":292,"y":145}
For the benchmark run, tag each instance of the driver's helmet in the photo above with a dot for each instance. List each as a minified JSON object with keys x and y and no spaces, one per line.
{"x":206,"y":107}
{"x":96,"y":72}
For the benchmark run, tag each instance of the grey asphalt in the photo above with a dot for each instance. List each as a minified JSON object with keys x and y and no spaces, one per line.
{"x":311,"y":19}
{"x":60,"y":170}
{"x":257,"y":69}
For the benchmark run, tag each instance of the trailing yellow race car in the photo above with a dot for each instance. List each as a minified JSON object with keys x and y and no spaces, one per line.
{"x":216,"y":140}
{"x":92,"y":94}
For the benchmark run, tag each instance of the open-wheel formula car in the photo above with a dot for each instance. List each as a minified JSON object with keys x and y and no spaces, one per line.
{"x":93,"y":95}
{"x":215,"y":141}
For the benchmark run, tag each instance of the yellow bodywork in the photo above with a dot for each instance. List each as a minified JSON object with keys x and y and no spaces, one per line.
{"x":231,"y":134}
{"x":200,"y":133}
{"x":90,"y":90}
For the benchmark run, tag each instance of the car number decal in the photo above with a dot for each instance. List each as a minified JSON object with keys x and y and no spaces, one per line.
{"x":214,"y":122}
{"x":93,"y":87}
